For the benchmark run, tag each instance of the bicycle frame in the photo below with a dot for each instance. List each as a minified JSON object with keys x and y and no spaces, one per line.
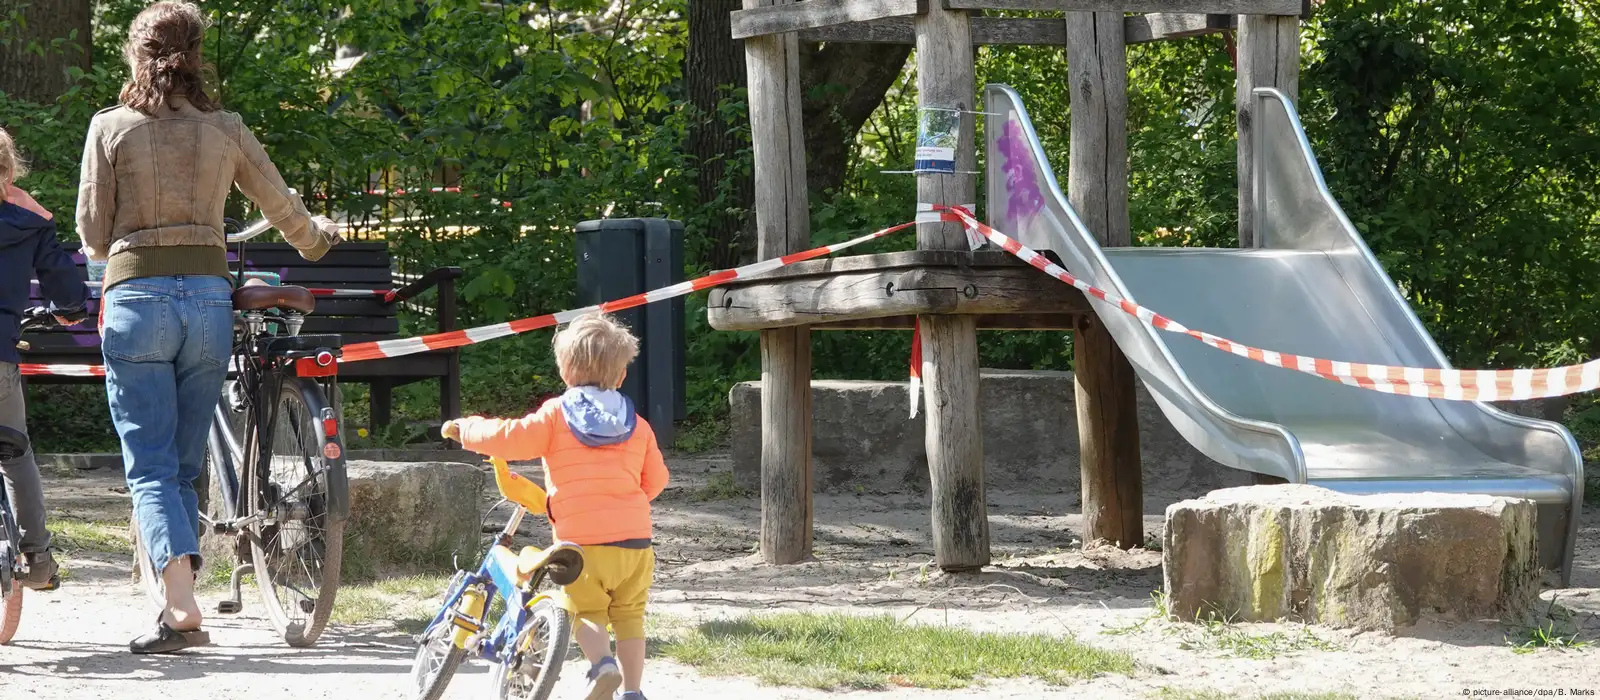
{"x":497,"y":574}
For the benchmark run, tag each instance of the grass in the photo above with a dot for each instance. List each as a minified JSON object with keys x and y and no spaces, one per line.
{"x":720,"y":487}
{"x":1220,"y":633}
{"x":407,"y":601}
{"x":846,"y":652}
{"x":73,"y":535}
{"x":1558,"y":631}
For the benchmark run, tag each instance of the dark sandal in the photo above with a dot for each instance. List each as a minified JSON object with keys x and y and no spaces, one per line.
{"x":166,"y":640}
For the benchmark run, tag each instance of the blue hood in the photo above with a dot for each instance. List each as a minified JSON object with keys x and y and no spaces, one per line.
{"x":599,"y":417}
{"x":28,"y":247}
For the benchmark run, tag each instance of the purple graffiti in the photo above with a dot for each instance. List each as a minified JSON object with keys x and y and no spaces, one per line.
{"x":1021,"y":182}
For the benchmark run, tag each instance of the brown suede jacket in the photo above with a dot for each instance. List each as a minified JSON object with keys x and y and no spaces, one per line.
{"x":151,"y":194}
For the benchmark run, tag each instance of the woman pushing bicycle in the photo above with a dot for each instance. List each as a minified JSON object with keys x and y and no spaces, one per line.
{"x":157,"y":171}
{"x":28,"y":246}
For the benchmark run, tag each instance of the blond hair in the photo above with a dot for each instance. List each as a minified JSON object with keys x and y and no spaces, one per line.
{"x":595,"y":350}
{"x":12,"y":166}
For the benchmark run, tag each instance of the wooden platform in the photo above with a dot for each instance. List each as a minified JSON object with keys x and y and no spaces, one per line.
{"x":887,"y":291}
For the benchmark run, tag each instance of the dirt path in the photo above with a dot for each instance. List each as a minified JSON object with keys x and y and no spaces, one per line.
{"x":873,"y":556}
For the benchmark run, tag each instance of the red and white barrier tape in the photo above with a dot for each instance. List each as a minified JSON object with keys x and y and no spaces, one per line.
{"x":1424,"y":382}
{"x":470,"y":336}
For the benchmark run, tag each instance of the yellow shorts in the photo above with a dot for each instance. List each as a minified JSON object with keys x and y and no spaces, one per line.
{"x":614,"y":588}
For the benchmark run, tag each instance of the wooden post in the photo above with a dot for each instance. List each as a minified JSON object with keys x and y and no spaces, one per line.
{"x":782,"y":226}
{"x":946,"y":78}
{"x":1268,"y":56}
{"x":1097,"y":185}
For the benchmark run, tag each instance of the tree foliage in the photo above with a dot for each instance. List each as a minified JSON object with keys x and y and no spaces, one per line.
{"x":1459,"y":135}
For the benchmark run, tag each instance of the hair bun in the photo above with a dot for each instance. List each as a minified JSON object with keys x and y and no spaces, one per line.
{"x":170,"y":62}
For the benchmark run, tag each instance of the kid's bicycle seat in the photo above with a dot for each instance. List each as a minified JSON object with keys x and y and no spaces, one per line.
{"x":562,"y":560}
{"x":13,"y":444}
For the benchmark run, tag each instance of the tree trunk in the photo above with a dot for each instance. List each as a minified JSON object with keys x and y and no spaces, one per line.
{"x":844,"y":84}
{"x":27,"y":75}
{"x":714,"y":70}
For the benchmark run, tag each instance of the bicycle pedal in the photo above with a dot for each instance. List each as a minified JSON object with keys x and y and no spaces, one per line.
{"x":229,"y":607}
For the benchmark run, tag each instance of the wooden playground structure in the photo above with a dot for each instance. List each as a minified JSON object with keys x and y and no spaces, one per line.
{"x":951,"y":291}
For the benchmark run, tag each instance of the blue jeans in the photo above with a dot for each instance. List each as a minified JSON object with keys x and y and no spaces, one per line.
{"x":167,"y":342}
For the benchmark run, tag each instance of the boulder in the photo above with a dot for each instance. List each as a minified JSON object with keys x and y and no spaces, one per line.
{"x":1262,"y":553}
{"x":411,"y":516}
{"x":864,"y":440}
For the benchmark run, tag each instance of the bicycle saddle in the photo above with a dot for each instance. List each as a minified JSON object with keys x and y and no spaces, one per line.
{"x":564,"y":561}
{"x":261,"y":297}
{"x":13,"y":444}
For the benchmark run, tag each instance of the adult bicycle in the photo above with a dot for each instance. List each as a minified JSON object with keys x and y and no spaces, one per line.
{"x":275,"y":455}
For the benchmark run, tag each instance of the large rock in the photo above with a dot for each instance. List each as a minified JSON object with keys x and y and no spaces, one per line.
{"x":1295,"y":551}
{"x":410,"y":516}
{"x":863,"y":439}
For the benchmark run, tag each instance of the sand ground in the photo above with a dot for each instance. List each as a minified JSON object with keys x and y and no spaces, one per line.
{"x":873,"y":555}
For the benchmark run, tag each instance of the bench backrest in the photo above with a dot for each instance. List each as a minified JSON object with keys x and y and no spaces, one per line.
{"x":349,"y":266}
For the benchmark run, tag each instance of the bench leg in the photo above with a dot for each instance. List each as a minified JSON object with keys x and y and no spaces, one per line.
{"x":382,"y":399}
{"x":450,"y":393}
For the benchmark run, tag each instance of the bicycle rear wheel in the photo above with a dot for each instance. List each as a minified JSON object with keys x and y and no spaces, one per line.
{"x":298,"y":549}
{"x":533,"y":663}
{"x":144,"y":568}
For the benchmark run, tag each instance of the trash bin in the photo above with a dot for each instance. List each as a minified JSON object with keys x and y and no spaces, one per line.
{"x":620,"y":258}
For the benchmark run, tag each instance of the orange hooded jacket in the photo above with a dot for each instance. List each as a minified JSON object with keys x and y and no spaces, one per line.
{"x":602,"y":467}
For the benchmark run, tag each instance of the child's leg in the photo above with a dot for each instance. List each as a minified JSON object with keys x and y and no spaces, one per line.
{"x":593,"y":640}
{"x":22,"y":474}
{"x":627,"y":616}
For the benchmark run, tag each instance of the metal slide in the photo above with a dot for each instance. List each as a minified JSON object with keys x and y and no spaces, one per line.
{"x":1310,"y":287}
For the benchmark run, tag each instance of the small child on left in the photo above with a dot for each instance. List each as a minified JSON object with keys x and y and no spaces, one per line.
{"x":28,"y":247}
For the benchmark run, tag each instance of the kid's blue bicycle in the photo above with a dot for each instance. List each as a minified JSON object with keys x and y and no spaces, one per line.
{"x":528,"y":640}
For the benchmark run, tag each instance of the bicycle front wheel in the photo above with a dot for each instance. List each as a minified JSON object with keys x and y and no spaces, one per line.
{"x":298,"y":546}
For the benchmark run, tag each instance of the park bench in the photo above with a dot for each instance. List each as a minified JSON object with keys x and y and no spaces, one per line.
{"x":350,"y":266}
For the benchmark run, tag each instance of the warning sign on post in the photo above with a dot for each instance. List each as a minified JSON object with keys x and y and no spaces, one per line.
{"x":938,"y":131}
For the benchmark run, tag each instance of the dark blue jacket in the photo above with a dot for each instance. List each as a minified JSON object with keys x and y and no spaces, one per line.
{"x":28,"y":246}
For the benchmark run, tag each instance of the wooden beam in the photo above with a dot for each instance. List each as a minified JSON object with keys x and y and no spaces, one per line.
{"x":1023,"y":31}
{"x":1140,"y":29}
{"x":954,"y":439}
{"x":1200,"y":7}
{"x":867,"y":294}
{"x":782,"y":226}
{"x":1168,"y":7}
{"x":995,"y":322}
{"x":1097,"y":185}
{"x":811,"y":14}
{"x":1269,"y":56}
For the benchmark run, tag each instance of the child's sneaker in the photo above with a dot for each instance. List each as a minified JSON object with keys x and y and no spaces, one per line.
{"x":604,"y":677}
{"x":630,"y":695}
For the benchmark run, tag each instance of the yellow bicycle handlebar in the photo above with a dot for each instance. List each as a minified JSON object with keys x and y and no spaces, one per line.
{"x":517,"y":488}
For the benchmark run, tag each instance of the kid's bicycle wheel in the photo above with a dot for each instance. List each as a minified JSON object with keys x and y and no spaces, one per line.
{"x":10,"y":609}
{"x":533,"y":664}
{"x":297,"y":551}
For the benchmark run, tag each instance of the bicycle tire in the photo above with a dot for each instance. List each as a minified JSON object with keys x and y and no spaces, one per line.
{"x":555,"y":628}
{"x":10,"y":609}
{"x":298,"y":402}
{"x":144,"y":569}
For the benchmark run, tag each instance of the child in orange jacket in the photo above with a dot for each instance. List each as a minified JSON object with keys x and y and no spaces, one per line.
{"x":602,"y":469}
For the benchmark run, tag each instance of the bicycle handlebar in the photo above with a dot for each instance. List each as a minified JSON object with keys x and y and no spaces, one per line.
{"x":39,"y":318}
